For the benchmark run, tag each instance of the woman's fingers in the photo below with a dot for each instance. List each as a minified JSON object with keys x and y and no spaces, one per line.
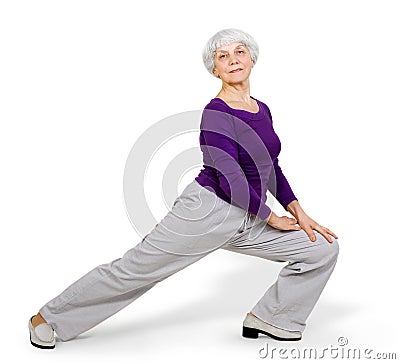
{"x":285,"y":223}
{"x":310,"y":233}
{"x":293,"y":223}
{"x":331,"y":233}
{"x":308,"y":225}
{"x":326,"y":232}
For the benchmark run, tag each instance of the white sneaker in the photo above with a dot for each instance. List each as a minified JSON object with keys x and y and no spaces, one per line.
{"x":42,"y":336}
{"x":252,"y":326}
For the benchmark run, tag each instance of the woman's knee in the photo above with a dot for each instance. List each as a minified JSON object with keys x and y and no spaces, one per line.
{"x":323,"y":252}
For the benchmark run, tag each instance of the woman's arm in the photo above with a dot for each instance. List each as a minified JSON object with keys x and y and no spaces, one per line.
{"x":295,"y":209}
{"x":282,"y":191}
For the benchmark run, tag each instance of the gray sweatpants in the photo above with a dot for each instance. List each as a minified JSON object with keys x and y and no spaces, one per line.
{"x":199,"y":223}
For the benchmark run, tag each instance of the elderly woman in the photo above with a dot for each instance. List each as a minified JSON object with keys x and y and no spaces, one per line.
{"x":223,"y":207}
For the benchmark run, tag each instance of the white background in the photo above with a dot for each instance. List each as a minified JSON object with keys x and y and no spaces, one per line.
{"x":81,"y":80}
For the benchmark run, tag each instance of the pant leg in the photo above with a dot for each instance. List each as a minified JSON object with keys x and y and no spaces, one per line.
{"x":198,"y":223}
{"x":290,"y":300}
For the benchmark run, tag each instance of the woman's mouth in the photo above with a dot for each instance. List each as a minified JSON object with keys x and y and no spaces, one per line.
{"x":236,"y":70}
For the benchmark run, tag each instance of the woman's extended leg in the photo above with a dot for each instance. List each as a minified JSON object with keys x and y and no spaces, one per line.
{"x":290,"y":300}
{"x":110,"y":287}
{"x":198,"y":224}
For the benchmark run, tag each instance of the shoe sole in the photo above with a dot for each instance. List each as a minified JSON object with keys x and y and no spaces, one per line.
{"x":40,"y":346}
{"x":252,"y":333}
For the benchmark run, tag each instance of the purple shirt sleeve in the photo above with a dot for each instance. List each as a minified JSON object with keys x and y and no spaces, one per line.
{"x":284,"y":193}
{"x":221,"y":149}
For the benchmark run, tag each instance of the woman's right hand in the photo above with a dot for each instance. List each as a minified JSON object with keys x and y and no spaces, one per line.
{"x":282,"y":222}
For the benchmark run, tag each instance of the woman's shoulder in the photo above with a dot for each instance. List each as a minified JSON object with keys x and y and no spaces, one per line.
{"x":217,"y":117}
{"x":217,"y":104}
{"x":263,"y":104}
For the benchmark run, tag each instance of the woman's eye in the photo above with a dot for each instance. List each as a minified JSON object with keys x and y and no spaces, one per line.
{"x":222,"y":55}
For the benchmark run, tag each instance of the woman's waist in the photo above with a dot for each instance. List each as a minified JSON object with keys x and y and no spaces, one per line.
{"x":209,"y":177}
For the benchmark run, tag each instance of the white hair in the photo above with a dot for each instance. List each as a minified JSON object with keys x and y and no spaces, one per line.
{"x":227,"y":36}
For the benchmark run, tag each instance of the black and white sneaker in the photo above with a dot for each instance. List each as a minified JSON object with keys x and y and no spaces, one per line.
{"x":42,"y":336}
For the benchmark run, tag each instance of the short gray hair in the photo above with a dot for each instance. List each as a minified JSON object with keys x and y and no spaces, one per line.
{"x":227,"y":36}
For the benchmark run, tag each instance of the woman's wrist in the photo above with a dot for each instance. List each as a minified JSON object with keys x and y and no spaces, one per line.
{"x":271,"y":215}
{"x":295,"y":209}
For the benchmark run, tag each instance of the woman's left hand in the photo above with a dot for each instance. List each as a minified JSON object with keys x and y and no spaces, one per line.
{"x":308,"y":225}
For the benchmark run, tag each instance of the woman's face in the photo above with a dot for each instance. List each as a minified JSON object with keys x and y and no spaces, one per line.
{"x":232,"y":63}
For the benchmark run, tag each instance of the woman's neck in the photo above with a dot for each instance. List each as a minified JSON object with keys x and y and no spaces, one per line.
{"x":239,"y":93}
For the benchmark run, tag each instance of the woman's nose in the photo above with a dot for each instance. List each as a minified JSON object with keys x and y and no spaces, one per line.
{"x":233,"y":60}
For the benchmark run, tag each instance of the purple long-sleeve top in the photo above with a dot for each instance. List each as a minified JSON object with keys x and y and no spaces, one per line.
{"x":240,"y":157}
